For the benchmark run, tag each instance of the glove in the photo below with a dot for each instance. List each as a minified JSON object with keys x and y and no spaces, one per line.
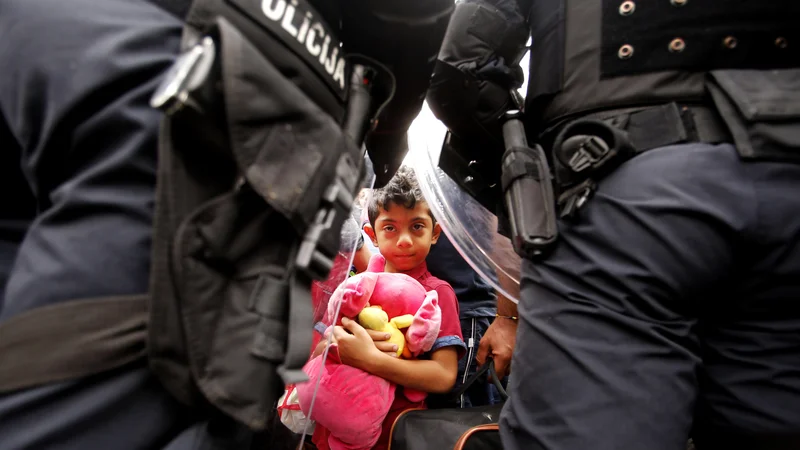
{"x":478,"y":66}
{"x":404,"y":36}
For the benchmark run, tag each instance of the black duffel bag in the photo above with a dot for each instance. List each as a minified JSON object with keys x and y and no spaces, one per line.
{"x":451,"y":428}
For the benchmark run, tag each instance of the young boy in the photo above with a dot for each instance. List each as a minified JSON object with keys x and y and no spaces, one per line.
{"x":402,"y":227}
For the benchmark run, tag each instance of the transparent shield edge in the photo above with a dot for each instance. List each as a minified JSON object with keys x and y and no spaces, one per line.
{"x":425,"y":145}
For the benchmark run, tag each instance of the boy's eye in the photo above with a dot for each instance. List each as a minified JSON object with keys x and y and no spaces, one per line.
{"x":418,"y":226}
{"x":388,"y":228}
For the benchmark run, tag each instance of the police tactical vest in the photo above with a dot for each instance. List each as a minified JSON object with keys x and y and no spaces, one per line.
{"x":255,"y":178}
{"x":238,"y":190}
{"x":595,"y":55}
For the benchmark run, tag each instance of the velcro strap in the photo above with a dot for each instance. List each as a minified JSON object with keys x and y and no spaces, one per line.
{"x":514,"y":171}
{"x":301,"y":313}
{"x":668,"y":124}
{"x":656,"y":127}
{"x":708,"y":125}
{"x":71,"y":340}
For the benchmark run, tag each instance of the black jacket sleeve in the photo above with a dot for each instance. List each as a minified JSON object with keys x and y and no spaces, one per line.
{"x":74,"y":93}
{"x":478,"y":65}
{"x":77,"y":77}
{"x":404,"y":36}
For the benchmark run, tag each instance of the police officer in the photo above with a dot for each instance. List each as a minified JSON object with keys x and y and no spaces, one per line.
{"x":78,"y":146}
{"x":668,"y":306}
{"x":81,"y":141}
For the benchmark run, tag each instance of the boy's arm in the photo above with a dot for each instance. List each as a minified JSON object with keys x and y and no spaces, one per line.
{"x":320,"y":347}
{"x":379,"y":339}
{"x":356,"y":348}
{"x":436,"y":375}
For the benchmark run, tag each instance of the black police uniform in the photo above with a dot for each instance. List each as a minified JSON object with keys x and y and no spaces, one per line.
{"x":78,"y":140}
{"x":79,"y":150}
{"x":80,"y":179}
{"x":669,"y":304}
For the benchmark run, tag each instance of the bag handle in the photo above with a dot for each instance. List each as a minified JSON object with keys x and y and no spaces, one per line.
{"x":482,"y":370}
{"x":285,"y":405}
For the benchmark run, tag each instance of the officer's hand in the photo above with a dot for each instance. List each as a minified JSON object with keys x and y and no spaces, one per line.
{"x":356,"y":347}
{"x":498,"y":342}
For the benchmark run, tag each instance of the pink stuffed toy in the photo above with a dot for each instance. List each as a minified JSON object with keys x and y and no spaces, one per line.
{"x":350,"y":403}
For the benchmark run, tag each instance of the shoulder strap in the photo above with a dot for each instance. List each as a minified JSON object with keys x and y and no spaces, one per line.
{"x":299,"y":340}
{"x":82,"y":337}
{"x":481,"y":372}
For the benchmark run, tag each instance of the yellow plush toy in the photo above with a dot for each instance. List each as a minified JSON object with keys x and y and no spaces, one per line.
{"x":375,"y":318}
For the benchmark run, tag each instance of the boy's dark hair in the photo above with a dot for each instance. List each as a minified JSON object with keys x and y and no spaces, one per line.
{"x":403,"y":189}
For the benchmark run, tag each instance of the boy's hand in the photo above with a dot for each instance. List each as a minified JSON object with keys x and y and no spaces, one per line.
{"x":380,"y":338}
{"x":356,"y":346}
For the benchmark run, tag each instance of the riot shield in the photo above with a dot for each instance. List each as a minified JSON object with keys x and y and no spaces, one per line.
{"x":471,"y":227}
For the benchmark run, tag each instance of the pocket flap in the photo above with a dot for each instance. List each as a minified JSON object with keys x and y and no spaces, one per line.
{"x":762,"y":95}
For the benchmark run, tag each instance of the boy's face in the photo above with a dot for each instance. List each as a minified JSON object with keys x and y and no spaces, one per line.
{"x":404,"y":236}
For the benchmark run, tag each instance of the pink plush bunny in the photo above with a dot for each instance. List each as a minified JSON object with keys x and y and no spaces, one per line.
{"x":351,"y":403}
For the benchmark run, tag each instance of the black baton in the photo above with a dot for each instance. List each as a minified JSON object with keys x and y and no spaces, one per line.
{"x":528,"y":192}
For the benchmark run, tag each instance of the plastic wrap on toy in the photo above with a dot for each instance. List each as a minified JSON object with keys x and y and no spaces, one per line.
{"x":344,"y":265}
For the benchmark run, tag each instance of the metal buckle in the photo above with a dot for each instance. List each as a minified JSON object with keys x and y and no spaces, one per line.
{"x":189,"y":71}
{"x":572,"y":200}
{"x":591,"y":150}
{"x":337,"y":199}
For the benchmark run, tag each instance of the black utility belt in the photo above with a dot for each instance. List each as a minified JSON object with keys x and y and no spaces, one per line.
{"x":662,"y":125}
{"x":758,"y":111}
{"x":585,"y":151}
{"x":588,"y":149}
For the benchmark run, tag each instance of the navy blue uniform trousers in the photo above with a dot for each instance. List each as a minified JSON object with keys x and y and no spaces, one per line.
{"x":77,"y":180}
{"x":671,"y":306}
